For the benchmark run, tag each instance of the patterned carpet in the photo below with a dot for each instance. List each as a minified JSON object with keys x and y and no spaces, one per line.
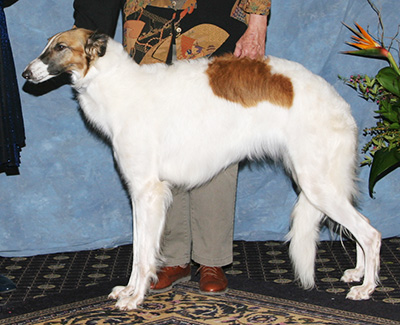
{"x":269,"y":261}
{"x":48,"y":280}
{"x":184,"y":305}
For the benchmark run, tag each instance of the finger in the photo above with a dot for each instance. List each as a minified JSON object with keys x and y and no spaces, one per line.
{"x":238,"y":51}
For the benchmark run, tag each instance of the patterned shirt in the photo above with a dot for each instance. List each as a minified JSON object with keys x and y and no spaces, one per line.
{"x":259,"y":7}
{"x":151,"y":26}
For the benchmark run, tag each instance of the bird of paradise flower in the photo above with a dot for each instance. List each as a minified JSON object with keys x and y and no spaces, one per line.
{"x":369,"y":47}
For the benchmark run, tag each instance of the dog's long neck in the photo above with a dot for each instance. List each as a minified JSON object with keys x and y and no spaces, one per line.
{"x":101,"y":88}
{"x":113,"y":59}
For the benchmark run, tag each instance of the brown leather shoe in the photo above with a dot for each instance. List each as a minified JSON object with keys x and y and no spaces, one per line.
{"x":168,"y":276}
{"x":212,"y":280}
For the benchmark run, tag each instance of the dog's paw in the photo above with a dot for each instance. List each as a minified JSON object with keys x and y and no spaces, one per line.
{"x":352,"y":275}
{"x":127,"y":298}
{"x":362,"y":292}
{"x":119,"y":292}
{"x":129,"y":303}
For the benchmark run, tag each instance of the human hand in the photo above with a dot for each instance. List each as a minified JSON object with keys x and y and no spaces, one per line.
{"x":252,"y":42}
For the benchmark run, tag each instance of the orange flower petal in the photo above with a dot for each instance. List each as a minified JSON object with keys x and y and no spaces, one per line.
{"x":361,"y":40}
{"x":367,"y":36}
{"x":360,"y":46}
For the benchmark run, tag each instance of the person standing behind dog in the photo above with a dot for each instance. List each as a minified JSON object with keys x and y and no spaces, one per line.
{"x":199,"y":224}
{"x":98,"y":15}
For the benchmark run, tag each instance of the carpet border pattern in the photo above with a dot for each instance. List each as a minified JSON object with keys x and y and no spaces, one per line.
{"x":185,"y":305}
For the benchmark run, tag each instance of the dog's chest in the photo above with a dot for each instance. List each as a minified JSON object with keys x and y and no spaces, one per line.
{"x":95,"y":112}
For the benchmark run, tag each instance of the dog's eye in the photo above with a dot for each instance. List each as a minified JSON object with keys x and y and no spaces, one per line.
{"x":59,"y":47}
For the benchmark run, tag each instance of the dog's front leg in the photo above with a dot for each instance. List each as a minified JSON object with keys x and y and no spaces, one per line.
{"x":150,"y":205}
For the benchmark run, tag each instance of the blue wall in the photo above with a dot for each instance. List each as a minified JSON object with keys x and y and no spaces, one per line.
{"x":68,"y":195}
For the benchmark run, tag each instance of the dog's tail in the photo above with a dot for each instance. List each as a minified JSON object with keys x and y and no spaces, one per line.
{"x":303,"y":237}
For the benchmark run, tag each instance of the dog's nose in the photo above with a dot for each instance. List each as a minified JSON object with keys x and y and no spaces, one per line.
{"x":27,"y":74}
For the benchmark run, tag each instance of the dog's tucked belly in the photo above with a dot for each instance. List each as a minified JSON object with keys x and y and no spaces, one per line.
{"x":209,"y":158}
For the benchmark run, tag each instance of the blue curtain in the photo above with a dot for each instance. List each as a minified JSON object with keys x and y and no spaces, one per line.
{"x":68,"y":195}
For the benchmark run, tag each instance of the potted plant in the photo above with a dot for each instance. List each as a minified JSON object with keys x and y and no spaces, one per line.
{"x":382,"y":151}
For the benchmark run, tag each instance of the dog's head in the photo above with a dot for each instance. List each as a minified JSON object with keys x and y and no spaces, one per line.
{"x":72,"y":51}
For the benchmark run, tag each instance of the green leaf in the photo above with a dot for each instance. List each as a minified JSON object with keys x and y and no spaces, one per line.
{"x":385,"y":161}
{"x":390,"y":116}
{"x":390,"y":80}
{"x":375,"y":53}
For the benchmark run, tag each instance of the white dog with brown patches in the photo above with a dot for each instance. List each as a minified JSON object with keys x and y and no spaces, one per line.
{"x":181,"y":125}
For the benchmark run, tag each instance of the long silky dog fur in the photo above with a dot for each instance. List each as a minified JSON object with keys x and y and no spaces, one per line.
{"x":180,"y":125}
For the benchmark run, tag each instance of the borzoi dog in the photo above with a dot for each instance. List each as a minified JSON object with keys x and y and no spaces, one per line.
{"x":180,"y":125}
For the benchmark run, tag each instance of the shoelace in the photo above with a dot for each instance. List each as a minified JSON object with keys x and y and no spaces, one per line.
{"x":208,"y":271}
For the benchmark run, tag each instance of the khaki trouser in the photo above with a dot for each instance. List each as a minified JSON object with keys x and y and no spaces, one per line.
{"x":199,"y":223}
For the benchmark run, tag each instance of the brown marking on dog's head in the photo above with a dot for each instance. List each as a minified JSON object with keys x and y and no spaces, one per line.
{"x":73,"y":51}
{"x":249,"y":82}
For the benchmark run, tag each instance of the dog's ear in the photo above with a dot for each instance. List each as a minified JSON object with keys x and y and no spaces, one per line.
{"x":96,"y":45}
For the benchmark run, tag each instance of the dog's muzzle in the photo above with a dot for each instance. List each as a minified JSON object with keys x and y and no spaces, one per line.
{"x":37,"y":72}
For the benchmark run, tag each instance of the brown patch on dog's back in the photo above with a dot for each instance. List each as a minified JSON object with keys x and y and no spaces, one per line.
{"x":249,"y":82}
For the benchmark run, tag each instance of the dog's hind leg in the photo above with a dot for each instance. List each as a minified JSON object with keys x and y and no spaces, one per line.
{"x":303,"y":236}
{"x":368,"y":242}
{"x":150,"y":205}
{"x":368,"y":257}
{"x":340,"y":209}
{"x":324,"y":164}
{"x":355,"y":275}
